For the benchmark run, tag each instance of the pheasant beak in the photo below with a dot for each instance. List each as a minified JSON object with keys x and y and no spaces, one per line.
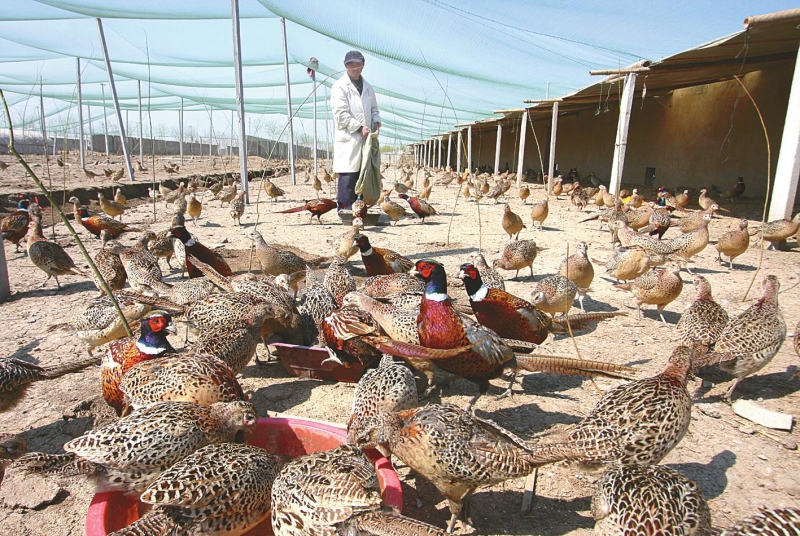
{"x":171,"y":328}
{"x":414,"y":272}
{"x":462,"y":274}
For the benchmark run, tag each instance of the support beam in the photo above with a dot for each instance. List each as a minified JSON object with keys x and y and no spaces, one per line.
{"x":521,"y":162}
{"x":469,"y":149}
{"x":91,"y":129}
{"x":105,"y":119}
{"x":116,"y":101}
{"x":141,"y":125}
{"x":288,"y":100}
{"x":788,"y":168}
{"x":180,"y":125}
{"x":230,"y":143}
{"x":237,"y":65}
{"x":80,"y":118}
{"x":497,"y":148}
{"x":5,"y":287}
{"x":210,"y":132}
{"x":458,"y":154}
{"x":313,"y":72}
{"x":551,"y":163}
{"x":621,"y":143}
{"x":44,"y":128}
{"x":449,"y":148}
{"x":439,"y":154}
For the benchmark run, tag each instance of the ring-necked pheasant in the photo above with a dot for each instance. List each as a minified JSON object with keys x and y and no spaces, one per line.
{"x":420,"y":207}
{"x":15,"y":225}
{"x":648,"y":500}
{"x":129,"y":454}
{"x":201,"y":252}
{"x":752,"y":339}
{"x":220,"y":489}
{"x":17,"y":375}
{"x":702,"y":322}
{"x":694,"y":220}
{"x":94,"y":223}
{"x":48,"y":256}
{"x":490,"y":277}
{"x":237,"y":208}
{"x":381,"y":261}
{"x":317,"y":207}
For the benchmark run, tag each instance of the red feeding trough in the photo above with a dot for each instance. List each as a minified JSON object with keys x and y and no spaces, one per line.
{"x":292,"y":437}
{"x":307,"y":362}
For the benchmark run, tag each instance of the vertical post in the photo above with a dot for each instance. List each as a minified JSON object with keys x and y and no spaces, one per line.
{"x":449,"y":148}
{"x":551,"y":163}
{"x":497,"y":147}
{"x":116,"y":100}
{"x":230,"y":145}
{"x":425,"y":150}
{"x":521,"y":161}
{"x":327,"y":124}
{"x":91,"y":129}
{"x":44,"y":129}
{"x":469,"y":149}
{"x":439,"y":154}
{"x":141,"y":126}
{"x":237,"y":66}
{"x":180,"y":125}
{"x":621,"y":142}
{"x":80,"y":117}
{"x":105,"y":118}
{"x":5,"y":288}
{"x":788,"y":168}
{"x":458,"y":153}
{"x":288,"y":99}
{"x":314,"y":63}
{"x":210,"y":132}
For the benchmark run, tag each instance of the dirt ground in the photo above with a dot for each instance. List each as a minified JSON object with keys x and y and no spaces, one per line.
{"x":739,"y":466}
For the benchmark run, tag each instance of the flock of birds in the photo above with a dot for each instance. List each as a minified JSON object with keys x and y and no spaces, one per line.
{"x":183,"y":416}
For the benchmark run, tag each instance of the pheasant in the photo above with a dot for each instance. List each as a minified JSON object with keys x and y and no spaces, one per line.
{"x":94,"y":223}
{"x":394,"y":210}
{"x":420,"y":207}
{"x":109,"y":265}
{"x":384,"y":285}
{"x":693,"y":221}
{"x":489,"y":276}
{"x":315,"y":305}
{"x":647,"y":499}
{"x":110,"y":207}
{"x":380,"y":261}
{"x":16,"y":376}
{"x":657,"y":287}
{"x":554,"y":294}
{"x":752,"y":339}
{"x":141,"y":266}
{"x":275,"y":261}
{"x":194,"y":208}
{"x":768,"y":522}
{"x":343,"y":245}
{"x":518,"y":255}
{"x":628,"y":263}
{"x":180,"y":205}
{"x":227,"y":194}
{"x":777,"y":231}
{"x":49,"y":256}
{"x":129,"y":454}
{"x":119,"y":197}
{"x":682,"y":199}
{"x":690,"y":244}
{"x":14,"y":227}
{"x":524,"y":192}
{"x":201,"y":252}
{"x":317,"y":207}
{"x":733,"y":243}
{"x":512,"y":223}
{"x":163,"y":246}
{"x":174,"y":195}
{"x":731,"y":193}
{"x":637,"y":423}
{"x":237,"y":208}
{"x":454,"y":450}
{"x":273,"y":191}
{"x":539,"y":213}
{"x":342,"y":330}
{"x":219,"y":489}
{"x":338,"y":279}
{"x":198,"y":378}
{"x":11,"y":448}
{"x":659,"y":222}
{"x":702,"y":322}
{"x":578,"y":269}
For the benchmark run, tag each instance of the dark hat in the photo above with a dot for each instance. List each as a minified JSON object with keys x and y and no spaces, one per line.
{"x":354,"y":56}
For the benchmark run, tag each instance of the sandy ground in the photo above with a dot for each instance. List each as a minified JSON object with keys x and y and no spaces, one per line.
{"x":739,"y":466}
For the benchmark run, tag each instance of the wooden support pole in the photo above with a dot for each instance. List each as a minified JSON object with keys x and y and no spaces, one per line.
{"x":449,"y":149}
{"x":458,"y":153}
{"x":497,"y":148}
{"x":551,"y":163}
{"x":621,"y":143}
{"x":5,"y":287}
{"x":521,"y":162}
{"x":439,"y":153}
{"x":788,"y":168}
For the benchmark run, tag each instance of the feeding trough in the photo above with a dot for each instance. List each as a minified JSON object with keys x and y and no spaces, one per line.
{"x":310,"y":362}
{"x":110,"y":512}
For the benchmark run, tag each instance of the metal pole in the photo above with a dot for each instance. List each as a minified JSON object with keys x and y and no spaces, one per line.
{"x":449,"y":148}
{"x":80,"y":116}
{"x":521,"y":161}
{"x":44,"y":129}
{"x":210,"y":133}
{"x":237,"y":63}
{"x":180,"y":121}
{"x":116,"y":100}
{"x":497,"y":148}
{"x":314,"y":64}
{"x":458,"y":153}
{"x":230,"y":145}
{"x":621,"y":143}
{"x":141,"y":126}
{"x":469,"y":149}
{"x":105,"y":118}
{"x":327,"y":124}
{"x":288,"y":99}
{"x":552,"y":162}
{"x":788,"y":168}
{"x":439,"y":154}
{"x":91,"y":129}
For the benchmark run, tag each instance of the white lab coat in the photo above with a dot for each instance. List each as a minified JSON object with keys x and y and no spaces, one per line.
{"x":350,"y":112}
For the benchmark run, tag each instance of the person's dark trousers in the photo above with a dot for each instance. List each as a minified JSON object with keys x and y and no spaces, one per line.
{"x":347,"y":190}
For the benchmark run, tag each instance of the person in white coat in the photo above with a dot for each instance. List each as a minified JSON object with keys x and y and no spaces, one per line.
{"x":355,"y":115}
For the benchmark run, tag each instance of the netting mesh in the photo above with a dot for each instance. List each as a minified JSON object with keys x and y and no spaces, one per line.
{"x":433,"y":64}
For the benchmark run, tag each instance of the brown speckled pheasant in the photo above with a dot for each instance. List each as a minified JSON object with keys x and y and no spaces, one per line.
{"x":384,"y":285}
{"x":491,"y":277}
{"x":275,"y":261}
{"x":517,"y":255}
{"x":752,"y":339}
{"x":388,"y":388}
{"x":235,"y":342}
{"x":163,"y":246}
{"x":220,"y":489}
{"x":649,"y":500}
{"x":315,"y":304}
{"x":554,"y":294}
{"x":109,"y":265}
{"x":627,"y":264}
{"x":733,"y":243}
{"x":689,"y":244}
{"x":703,"y":320}
{"x":768,"y":522}
{"x":17,"y":375}
{"x":694,"y":220}
{"x":49,"y":256}
{"x":11,"y":448}
{"x":512,"y":223}
{"x":539,"y":213}
{"x":578,"y":269}
{"x":14,"y":227}
{"x":237,"y":208}
{"x":657,"y":287}
{"x":338,"y":279}
{"x":343,"y":245}
{"x":128,"y":454}
{"x":141,"y":266}
{"x":776,"y":232}
{"x":637,"y":423}
{"x":455,"y":450}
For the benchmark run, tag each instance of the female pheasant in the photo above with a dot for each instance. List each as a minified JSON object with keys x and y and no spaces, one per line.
{"x":15,"y":225}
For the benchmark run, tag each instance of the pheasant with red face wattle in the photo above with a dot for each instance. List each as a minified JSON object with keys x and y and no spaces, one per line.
{"x":95,"y":223}
{"x":14,"y":227}
{"x":381,"y":261}
{"x":125,"y":353}
{"x":421,"y":208}
{"x":199,"y":251}
{"x":317,"y":207}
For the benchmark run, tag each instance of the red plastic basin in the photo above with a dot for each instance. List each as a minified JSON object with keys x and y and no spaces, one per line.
{"x":288,"y":436}
{"x":307,"y":362}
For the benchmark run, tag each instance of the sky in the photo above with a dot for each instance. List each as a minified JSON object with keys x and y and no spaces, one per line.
{"x":433,"y":63}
